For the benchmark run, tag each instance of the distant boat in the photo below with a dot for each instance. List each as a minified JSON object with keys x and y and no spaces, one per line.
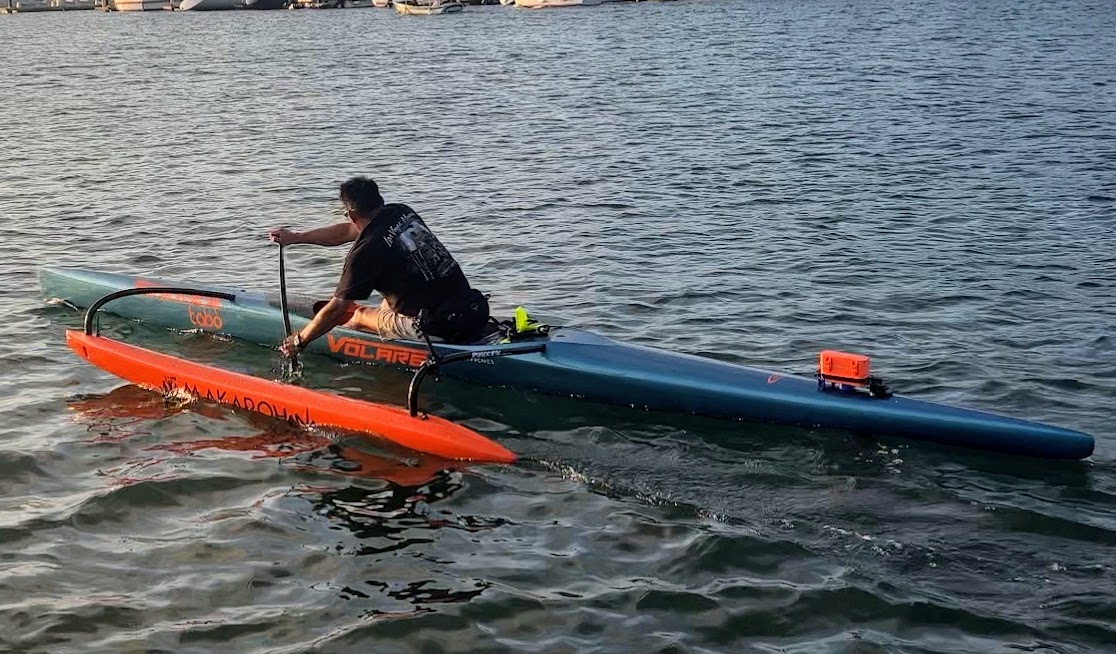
{"x":23,"y":6}
{"x":140,"y":5}
{"x":210,"y":5}
{"x":381,"y":3}
{"x":328,"y":4}
{"x":265,"y":4}
{"x":546,"y":4}
{"x":428,"y":8}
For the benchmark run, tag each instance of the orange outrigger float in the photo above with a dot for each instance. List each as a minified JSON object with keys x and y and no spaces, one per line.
{"x":299,"y":406}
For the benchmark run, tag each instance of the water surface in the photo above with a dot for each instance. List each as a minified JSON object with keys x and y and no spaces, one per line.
{"x":930,"y":182}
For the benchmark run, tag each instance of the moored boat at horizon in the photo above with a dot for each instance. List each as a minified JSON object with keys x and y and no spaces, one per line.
{"x":329,"y":4}
{"x":434,"y":8}
{"x":548,"y":4}
{"x":575,"y":362}
{"x":143,"y":5}
{"x":34,"y":6}
{"x":210,"y":5}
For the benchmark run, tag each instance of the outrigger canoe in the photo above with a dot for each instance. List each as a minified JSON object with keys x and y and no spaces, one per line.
{"x":579,"y":363}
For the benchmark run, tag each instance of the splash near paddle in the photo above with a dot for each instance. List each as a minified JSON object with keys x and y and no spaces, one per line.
{"x":299,"y":406}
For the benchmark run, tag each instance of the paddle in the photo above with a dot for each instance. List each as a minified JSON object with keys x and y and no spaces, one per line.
{"x":295,"y":367}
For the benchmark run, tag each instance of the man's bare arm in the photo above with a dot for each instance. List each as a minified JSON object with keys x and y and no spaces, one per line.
{"x":332,"y":314}
{"x":338,"y":234}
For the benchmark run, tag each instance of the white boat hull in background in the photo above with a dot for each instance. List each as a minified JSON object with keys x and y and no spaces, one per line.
{"x":548,"y":4}
{"x":210,"y":5}
{"x":139,"y":5}
{"x":432,"y":9}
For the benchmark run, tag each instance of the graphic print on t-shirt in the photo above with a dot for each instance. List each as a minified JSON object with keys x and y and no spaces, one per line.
{"x":426,"y":254}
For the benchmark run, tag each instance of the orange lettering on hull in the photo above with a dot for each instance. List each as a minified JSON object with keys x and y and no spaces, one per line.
{"x":205,"y":317}
{"x":357,"y":348}
{"x":195,"y":300}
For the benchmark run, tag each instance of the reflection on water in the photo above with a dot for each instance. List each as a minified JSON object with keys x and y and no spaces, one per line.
{"x":129,"y":412}
{"x":121,"y":412}
{"x":377,"y":502}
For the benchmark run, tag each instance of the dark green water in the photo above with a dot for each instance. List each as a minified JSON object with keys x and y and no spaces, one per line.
{"x":930,"y":182}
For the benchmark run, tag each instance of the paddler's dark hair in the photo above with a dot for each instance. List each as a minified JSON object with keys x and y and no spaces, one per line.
{"x":361,"y":195}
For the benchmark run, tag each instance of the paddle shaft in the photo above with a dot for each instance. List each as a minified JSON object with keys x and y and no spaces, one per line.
{"x":283,"y":304}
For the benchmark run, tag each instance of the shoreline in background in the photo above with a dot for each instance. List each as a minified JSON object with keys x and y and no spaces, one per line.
{"x":38,"y":6}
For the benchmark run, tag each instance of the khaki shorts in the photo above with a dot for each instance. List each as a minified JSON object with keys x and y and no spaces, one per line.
{"x":385,"y":322}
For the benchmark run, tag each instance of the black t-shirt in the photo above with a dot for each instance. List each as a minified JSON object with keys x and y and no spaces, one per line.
{"x":397,"y":255}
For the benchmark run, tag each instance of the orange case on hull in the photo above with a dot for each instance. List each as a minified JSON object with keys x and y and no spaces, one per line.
{"x":842,"y":367}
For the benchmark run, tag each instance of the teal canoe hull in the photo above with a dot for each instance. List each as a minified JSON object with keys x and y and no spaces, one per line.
{"x":582,"y":364}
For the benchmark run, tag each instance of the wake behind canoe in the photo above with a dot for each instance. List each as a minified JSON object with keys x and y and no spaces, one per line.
{"x":579,"y":363}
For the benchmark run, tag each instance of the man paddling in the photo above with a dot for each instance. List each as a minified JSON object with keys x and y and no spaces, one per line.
{"x":395,"y":254}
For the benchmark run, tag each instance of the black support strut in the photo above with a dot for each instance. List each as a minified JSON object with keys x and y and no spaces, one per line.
{"x":433,"y":364}
{"x":147,"y":290}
